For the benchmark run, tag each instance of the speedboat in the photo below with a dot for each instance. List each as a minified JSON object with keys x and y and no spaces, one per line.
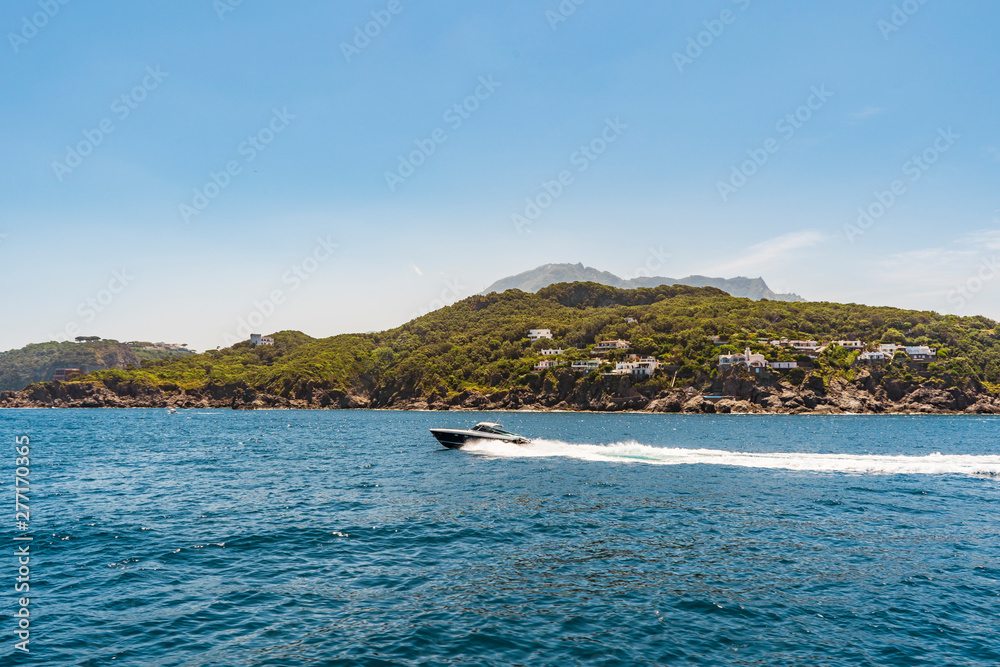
{"x":454,"y":438}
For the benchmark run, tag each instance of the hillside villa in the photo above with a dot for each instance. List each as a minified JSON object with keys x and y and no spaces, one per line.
{"x":547,"y":363}
{"x":636,"y":365}
{"x":609,"y":345}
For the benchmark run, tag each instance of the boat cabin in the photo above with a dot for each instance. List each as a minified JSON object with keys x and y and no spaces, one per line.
{"x":490,"y":427}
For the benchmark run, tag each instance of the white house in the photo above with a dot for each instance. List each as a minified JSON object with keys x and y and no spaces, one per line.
{"x":548,"y":363}
{"x":754,"y":359}
{"x":257,"y":339}
{"x":804,"y":344}
{"x":551,"y":352}
{"x":849,"y":344}
{"x":877,"y":355}
{"x":631,"y":320}
{"x":731,"y":359}
{"x":637,"y":366}
{"x":587,"y":366}
{"x":608,"y":345}
{"x":538,"y":334}
{"x":920,"y":353}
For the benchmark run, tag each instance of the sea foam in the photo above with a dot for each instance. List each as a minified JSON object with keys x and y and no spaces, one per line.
{"x":634,"y":452}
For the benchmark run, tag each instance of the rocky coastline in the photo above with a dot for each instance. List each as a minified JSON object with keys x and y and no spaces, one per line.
{"x":868,"y":393}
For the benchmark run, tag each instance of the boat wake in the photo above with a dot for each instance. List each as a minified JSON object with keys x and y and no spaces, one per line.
{"x":634,"y":452}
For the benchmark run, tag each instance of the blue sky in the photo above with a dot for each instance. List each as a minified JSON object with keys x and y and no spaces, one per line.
{"x":243,"y":182}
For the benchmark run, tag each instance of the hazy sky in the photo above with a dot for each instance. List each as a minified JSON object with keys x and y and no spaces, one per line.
{"x":175,"y":168}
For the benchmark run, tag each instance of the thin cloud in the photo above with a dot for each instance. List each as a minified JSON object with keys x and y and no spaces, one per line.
{"x":416,"y":269}
{"x":867,"y":112}
{"x":761,"y":256}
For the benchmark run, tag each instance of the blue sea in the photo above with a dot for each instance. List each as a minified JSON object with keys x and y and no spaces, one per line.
{"x":212,"y":537}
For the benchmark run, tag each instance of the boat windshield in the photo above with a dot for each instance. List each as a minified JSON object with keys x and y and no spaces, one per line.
{"x":491,"y":428}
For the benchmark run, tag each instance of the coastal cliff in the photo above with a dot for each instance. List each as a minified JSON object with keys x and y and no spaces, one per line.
{"x":869,"y":393}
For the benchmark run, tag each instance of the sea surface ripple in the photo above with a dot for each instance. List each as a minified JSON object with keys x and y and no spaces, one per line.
{"x":351,"y":538}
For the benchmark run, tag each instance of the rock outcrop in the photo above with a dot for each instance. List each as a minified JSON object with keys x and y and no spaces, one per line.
{"x":735,"y":394}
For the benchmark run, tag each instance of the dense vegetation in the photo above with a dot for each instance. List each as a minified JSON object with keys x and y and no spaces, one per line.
{"x":480,"y":343}
{"x":37,"y":362}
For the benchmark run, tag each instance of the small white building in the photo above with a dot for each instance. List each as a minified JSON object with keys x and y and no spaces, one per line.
{"x":538,"y":334}
{"x":849,"y":344}
{"x":631,"y":320}
{"x":257,"y":339}
{"x":635,"y":365}
{"x":552,"y":352}
{"x":547,"y":363}
{"x":586,"y":366}
{"x":608,"y":345}
{"x":783,"y":365}
{"x":920,"y":353}
{"x":726,"y":360}
{"x":801,"y":345}
{"x":876,"y":355}
{"x":754,"y":359}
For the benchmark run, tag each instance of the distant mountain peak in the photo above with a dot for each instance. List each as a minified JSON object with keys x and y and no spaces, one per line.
{"x":549,"y":274}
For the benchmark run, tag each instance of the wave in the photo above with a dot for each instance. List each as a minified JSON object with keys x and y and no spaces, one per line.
{"x":634,"y":452}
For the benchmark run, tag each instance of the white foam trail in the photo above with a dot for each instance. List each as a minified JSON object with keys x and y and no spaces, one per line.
{"x":621,"y":452}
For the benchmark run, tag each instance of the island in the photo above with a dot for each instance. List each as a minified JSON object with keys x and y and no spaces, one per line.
{"x":584,"y":346}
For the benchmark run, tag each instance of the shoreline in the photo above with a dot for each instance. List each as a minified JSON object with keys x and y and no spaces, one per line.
{"x":733,"y":395}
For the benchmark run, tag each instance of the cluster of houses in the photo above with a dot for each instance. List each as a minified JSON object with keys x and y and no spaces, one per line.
{"x":884,"y":352}
{"x":632,"y":365}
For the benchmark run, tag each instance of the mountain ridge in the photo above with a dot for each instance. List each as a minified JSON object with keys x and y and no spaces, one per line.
{"x":550,"y":274}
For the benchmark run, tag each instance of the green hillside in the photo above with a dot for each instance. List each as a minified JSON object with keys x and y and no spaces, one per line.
{"x":480,"y":343}
{"x":38,"y":362}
